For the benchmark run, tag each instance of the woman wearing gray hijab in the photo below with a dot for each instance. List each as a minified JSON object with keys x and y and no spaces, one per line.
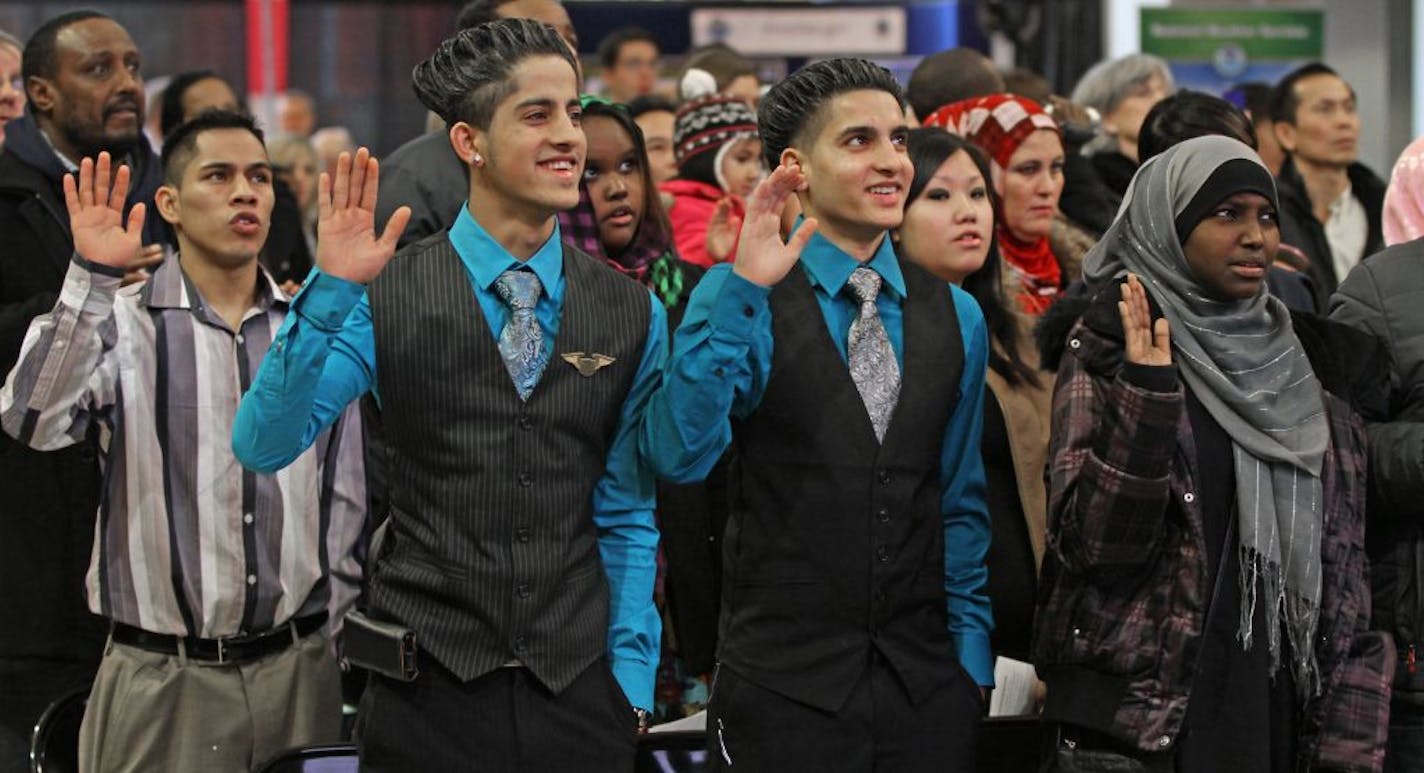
{"x":1204,"y":604}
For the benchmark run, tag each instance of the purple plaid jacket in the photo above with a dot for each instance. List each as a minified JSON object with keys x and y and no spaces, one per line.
{"x":1123,"y":594}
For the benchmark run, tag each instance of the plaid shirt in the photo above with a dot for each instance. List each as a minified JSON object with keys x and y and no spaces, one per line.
{"x":1123,"y":593}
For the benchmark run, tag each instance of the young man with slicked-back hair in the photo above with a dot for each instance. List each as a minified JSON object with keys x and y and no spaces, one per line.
{"x":855,"y":627}
{"x":511,"y":373}
{"x":424,"y":174}
{"x":219,"y":584}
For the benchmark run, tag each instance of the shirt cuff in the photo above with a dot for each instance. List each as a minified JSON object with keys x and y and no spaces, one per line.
{"x":976,"y":656}
{"x":326,"y":301}
{"x":1152,"y":378}
{"x":738,"y":305}
{"x":636,"y":679}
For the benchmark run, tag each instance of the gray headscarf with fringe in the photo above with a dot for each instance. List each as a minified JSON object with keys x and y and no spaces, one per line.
{"x":1245,"y":364}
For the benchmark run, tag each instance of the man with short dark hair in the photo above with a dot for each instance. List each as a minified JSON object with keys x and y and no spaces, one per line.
{"x":81,"y":75}
{"x":218,"y":583}
{"x":511,"y":374}
{"x":656,"y":115}
{"x":1331,"y":204}
{"x":629,"y":57}
{"x":424,"y":174}
{"x":950,"y":76}
{"x":855,"y":626}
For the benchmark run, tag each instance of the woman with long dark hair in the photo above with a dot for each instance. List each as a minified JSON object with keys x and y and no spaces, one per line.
{"x":949,"y":230}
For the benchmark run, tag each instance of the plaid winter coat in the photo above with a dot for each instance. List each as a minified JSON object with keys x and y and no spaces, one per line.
{"x":1123,"y":593}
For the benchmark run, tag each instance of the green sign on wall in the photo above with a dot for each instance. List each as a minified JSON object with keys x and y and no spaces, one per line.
{"x":1212,"y":48}
{"x":1173,"y":33}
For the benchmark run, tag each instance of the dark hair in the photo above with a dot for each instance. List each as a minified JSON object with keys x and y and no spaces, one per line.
{"x":1253,"y":98}
{"x":179,"y":147}
{"x":1189,"y":114}
{"x":653,"y":212}
{"x":792,"y":110}
{"x":651,"y":103}
{"x":469,"y":73}
{"x":721,"y":61}
{"x":171,"y":101}
{"x":38,"y":58}
{"x":612,"y":44}
{"x":1284,"y":101}
{"x":949,"y":76}
{"x":478,"y":12}
{"x":928,"y":150}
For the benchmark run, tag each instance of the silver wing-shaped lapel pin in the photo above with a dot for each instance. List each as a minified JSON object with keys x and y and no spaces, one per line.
{"x":587,"y":363}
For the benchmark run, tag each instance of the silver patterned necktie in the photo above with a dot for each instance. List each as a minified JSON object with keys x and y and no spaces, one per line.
{"x":521,"y":342}
{"x":872,"y":362}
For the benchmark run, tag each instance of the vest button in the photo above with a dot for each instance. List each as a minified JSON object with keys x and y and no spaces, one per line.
{"x":522,"y":533}
{"x":520,"y":644}
{"x":884,"y":477}
{"x":522,"y":590}
{"x":883,"y":554}
{"x":883,"y":515}
{"x":525,"y":422}
{"x":526,"y":480}
{"x":880,"y":597}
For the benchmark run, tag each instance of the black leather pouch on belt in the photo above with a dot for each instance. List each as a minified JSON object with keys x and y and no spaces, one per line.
{"x":389,"y":649}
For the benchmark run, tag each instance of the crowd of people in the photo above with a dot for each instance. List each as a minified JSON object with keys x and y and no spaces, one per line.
{"x":814,"y":404}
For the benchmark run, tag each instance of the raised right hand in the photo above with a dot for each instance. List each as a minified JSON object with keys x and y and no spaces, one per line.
{"x":762,"y":257}
{"x":1147,"y":343}
{"x":96,"y":215}
{"x":346,"y":241}
{"x":722,"y":230}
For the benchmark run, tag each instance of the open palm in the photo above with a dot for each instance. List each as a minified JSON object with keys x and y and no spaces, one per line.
{"x":1146,"y":342}
{"x":346,"y":243}
{"x":762,"y":257}
{"x":96,"y":214}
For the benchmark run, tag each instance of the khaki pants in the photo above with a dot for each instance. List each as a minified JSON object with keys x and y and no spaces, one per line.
{"x":155,"y":712}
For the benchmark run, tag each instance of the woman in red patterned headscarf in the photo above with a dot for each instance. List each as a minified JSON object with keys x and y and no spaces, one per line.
{"x":1026,"y":150}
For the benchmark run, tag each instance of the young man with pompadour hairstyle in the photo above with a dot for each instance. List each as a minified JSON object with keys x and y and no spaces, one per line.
{"x":511,"y":373}
{"x":855,"y":629}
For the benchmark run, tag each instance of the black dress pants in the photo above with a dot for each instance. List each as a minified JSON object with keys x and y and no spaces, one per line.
{"x":502,"y":722}
{"x":878,"y":730}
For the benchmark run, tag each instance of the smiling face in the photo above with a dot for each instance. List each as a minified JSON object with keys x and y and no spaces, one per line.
{"x":742,"y":168}
{"x":1229,"y":251}
{"x":613,"y":174}
{"x":222,"y":207}
{"x":1029,"y":188}
{"x":947,"y":230}
{"x":95,"y":100}
{"x":856,"y":167}
{"x":532,"y":153}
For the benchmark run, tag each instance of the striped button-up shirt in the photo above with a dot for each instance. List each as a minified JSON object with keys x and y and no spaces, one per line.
{"x":187,"y":540}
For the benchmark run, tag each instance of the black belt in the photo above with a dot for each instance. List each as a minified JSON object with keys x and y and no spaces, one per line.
{"x":234,"y":649}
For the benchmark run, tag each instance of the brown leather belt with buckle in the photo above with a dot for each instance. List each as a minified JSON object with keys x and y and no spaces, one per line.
{"x":233,"y":649}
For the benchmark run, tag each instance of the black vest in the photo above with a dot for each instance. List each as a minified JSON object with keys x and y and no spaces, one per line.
{"x":492,"y":554}
{"x":836,"y":542}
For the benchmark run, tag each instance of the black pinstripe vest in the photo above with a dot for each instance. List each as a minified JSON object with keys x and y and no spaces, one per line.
{"x":492,"y":553}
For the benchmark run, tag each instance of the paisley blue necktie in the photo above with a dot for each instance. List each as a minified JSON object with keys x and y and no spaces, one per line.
{"x":521,"y":343}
